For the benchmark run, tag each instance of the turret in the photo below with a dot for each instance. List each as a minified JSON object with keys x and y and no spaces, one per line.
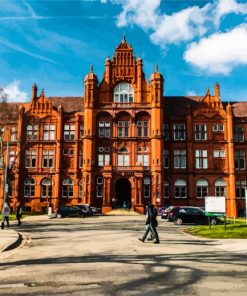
{"x":156,"y":82}
{"x":91,"y":88}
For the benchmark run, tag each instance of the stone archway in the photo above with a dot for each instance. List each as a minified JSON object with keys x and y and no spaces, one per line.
{"x":123,"y":193}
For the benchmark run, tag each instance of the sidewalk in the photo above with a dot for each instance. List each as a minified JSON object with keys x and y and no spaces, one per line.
{"x":8,"y":237}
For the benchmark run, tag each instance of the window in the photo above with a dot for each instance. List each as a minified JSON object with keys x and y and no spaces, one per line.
{"x":166,"y":189}
{"x":80,"y":189}
{"x":13,"y":135}
{"x":47,"y":158}
{"x":49,"y":132}
{"x":179,"y":159}
{"x":80,"y":158}
{"x":123,"y":93}
{"x":201,"y":188}
{"x":146,"y":187}
{"x":179,"y":132}
{"x":67,"y":188}
{"x":180,"y":188}
{"x":29,"y":188}
{"x":104,"y":129}
{"x":166,"y":158}
{"x":103,"y":159}
{"x":239,"y":159}
{"x":123,"y":128}
{"x":123,"y":157}
{"x":30,"y":159}
{"x":218,"y":127}
{"x":32,"y":132}
{"x":238,"y":132}
{"x":220,"y":187}
{"x":142,"y":128}
{"x":201,"y":159}
{"x":200,"y":132}
{"x":241,"y":186}
{"x":143,"y":159}
{"x":69,"y":132}
{"x":166,"y":131}
{"x":46,"y":188}
{"x":219,"y":153}
{"x":81,"y":131}
{"x":99,"y":187}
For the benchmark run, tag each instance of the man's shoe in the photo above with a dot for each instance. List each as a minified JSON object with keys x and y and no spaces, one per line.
{"x":156,"y":242}
{"x":149,"y":239}
{"x":140,"y":239}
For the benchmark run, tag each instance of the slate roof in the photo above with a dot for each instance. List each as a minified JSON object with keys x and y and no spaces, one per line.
{"x":174,"y":105}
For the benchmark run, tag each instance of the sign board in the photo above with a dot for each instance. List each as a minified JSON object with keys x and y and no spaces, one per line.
{"x":215,"y":204}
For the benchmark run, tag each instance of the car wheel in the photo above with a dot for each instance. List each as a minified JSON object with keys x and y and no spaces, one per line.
{"x":214,"y":221}
{"x":178,"y":221}
{"x":59,"y":216}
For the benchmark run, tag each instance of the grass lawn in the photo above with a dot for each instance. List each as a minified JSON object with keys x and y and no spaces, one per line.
{"x":12,"y":216}
{"x":237,"y":230}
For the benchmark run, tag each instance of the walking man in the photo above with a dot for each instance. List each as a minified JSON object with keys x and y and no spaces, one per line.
{"x":18,"y":213}
{"x":151,"y":223}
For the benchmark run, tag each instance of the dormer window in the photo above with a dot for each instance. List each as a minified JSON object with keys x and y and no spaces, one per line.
{"x":123,"y":93}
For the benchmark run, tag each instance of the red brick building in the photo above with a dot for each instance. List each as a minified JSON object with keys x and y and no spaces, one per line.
{"x":124,"y":141}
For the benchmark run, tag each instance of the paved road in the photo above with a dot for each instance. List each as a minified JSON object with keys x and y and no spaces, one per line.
{"x":102,"y":256}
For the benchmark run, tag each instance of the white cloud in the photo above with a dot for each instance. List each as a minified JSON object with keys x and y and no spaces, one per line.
{"x":225,"y":7}
{"x":190,"y":93}
{"x":181,"y":26}
{"x":14,"y":93}
{"x":142,"y":13}
{"x":220,"y":52}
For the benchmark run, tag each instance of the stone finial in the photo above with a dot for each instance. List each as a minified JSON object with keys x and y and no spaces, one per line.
{"x":156,"y":68}
{"x":42,"y":94}
{"x":91,"y":69}
{"x":124,"y":39}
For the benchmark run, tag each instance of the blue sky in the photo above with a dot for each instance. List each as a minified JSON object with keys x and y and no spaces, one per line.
{"x":54,"y":42}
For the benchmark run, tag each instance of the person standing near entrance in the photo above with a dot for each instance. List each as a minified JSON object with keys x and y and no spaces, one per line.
{"x":151,"y":223}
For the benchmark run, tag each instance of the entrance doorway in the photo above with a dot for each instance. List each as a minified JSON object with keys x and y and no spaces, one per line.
{"x":123,"y":193}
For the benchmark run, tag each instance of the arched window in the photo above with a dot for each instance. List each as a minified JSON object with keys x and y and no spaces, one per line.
{"x":123,"y":93}
{"x":146,"y":187}
{"x":80,"y":189}
{"x":67,"y":188}
{"x":166,"y":189}
{"x":123,"y":157}
{"x":46,"y":187}
{"x":99,"y":187}
{"x":201,"y":188}
{"x":29,"y":187}
{"x":220,"y":187}
{"x":180,"y":188}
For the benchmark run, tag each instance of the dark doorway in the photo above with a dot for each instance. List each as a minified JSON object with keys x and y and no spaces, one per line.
{"x":123,"y":193}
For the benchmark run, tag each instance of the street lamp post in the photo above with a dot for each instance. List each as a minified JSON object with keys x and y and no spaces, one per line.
{"x":50,"y":193}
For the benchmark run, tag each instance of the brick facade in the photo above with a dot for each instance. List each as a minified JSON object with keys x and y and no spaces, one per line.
{"x":124,"y":142}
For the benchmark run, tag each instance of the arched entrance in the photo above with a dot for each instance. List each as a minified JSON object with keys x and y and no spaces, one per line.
{"x":123,"y":193}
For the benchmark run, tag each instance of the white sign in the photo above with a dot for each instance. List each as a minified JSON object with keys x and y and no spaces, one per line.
{"x":215,"y":204}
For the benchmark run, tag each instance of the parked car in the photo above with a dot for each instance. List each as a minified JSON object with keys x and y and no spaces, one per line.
{"x":186,"y":214}
{"x":161,"y":210}
{"x":67,"y":211}
{"x":166,"y":213}
{"x":86,"y":210}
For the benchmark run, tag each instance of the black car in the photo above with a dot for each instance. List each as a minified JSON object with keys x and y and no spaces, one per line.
{"x":67,"y":211}
{"x":85,"y":209}
{"x":186,"y":214}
